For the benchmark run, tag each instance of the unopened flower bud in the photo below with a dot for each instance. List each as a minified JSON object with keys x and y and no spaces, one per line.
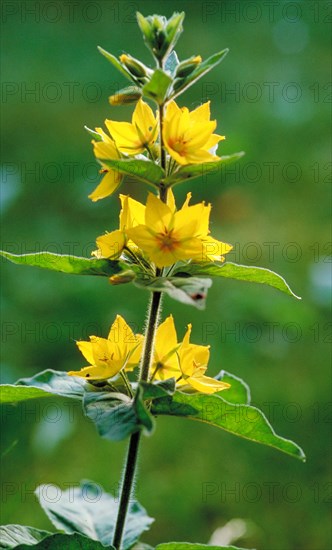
{"x":126,"y":96}
{"x":160,"y":33}
{"x":122,"y":278}
{"x":186,"y":67}
{"x":135,"y":67}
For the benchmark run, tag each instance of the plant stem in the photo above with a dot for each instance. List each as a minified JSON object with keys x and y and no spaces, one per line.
{"x":131,"y":462}
{"x":127,"y":486}
{"x":152,"y":323}
{"x":162,"y":149}
{"x":150,"y":334}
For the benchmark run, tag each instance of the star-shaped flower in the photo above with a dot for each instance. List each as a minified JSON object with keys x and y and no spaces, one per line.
{"x":188,"y":136}
{"x":138,"y":135}
{"x":193,"y":361}
{"x":108,"y":356}
{"x":168,"y":235}
{"x":112,"y":244}
{"x":105,"y":149}
{"x":184,"y":361}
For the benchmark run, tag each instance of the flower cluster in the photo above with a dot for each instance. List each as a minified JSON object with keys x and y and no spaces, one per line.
{"x":187,"y":137}
{"x":120,"y":352}
{"x":162,"y":147}
{"x":163,"y":233}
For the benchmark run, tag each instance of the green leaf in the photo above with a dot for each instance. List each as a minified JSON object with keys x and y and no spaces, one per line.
{"x":43,"y":384}
{"x":142,"y":546}
{"x":13,"y":394}
{"x":23,"y":538}
{"x":65,"y":263}
{"x":174,"y":29}
{"x":145,"y":420}
{"x":193,"y":546}
{"x":200,"y":71}
{"x":56,"y":383}
{"x":113,"y":414}
{"x":191,"y":171}
{"x":116,"y":415}
{"x":242,"y":420}
{"x":143,"y":170}
{"x":92,"y":512}
{"x":187,"y":290}
{"x":117,"y":64}
{"x":239,"y":272}
{"x":158,"y":86}
{"x":95,"y":135}
{"x":238,"y":393}
{"x":13,"y":535}
{"x":160,"y":388}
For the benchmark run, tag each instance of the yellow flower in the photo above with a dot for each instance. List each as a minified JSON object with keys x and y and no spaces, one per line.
{"x":133,"y":138}
{"x":165,"y":360}
{"x":188,"y":136}
{"x":193,"y":364}
{"x":104,"y":150}
{"x":112,"y":244}
{"x":107,"y":356}
{"x":169,"y":235}
{"x":186,"y":362}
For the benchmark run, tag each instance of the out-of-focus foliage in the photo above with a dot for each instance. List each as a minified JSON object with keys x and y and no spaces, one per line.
{"x":271,"y":98}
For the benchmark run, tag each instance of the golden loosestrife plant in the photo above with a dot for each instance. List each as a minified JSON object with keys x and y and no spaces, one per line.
{"x":130,"y":379}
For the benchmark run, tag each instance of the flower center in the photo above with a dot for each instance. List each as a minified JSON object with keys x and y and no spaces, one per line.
{"x":166,"y":241}
{"x":179,"y":146}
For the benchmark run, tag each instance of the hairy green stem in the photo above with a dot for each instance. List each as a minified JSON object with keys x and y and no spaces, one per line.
{"x":132,"y":456}
{"x":127,"y":487}
{"x":162,"y":148}
{"x":152,"y":323}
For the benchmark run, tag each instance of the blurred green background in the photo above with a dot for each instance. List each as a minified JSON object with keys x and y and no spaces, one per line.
{"x":271,"y":97}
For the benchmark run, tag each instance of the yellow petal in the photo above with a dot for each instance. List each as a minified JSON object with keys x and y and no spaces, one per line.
{"x":94,"y":373}
{"x":107,"y":186}
{"x":214,"y":250}
{"x":202,"y":355}
{"x":186,"y":338}
{"x":180,"y":159}
{"x":199,"y":156}
{"x":198,"y":135}
{"x":86,"y":350}
{"x":187,"y":221}
{"x":169,"y":369}
{"x":171,"y":110}
{"x":101,"y":355}
{"x":204,"y":220}
{"x":132,"y":214}
{"x":205,"y":384}
{"x":111,"y":244}
{"x":157,"y":214}
{"x":144,"y":119}
{"x":143,"y":237}
{"x":166,"y":338}
{"x":121,"y":334}
{"x":125,"y":136}
{"x":104,"y":150}
{"x":201,"y":113}
{"x":135,"y":354}
{"x":212,"y":141}
{"x":171,"y":200}
{"x":186,"y":202}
